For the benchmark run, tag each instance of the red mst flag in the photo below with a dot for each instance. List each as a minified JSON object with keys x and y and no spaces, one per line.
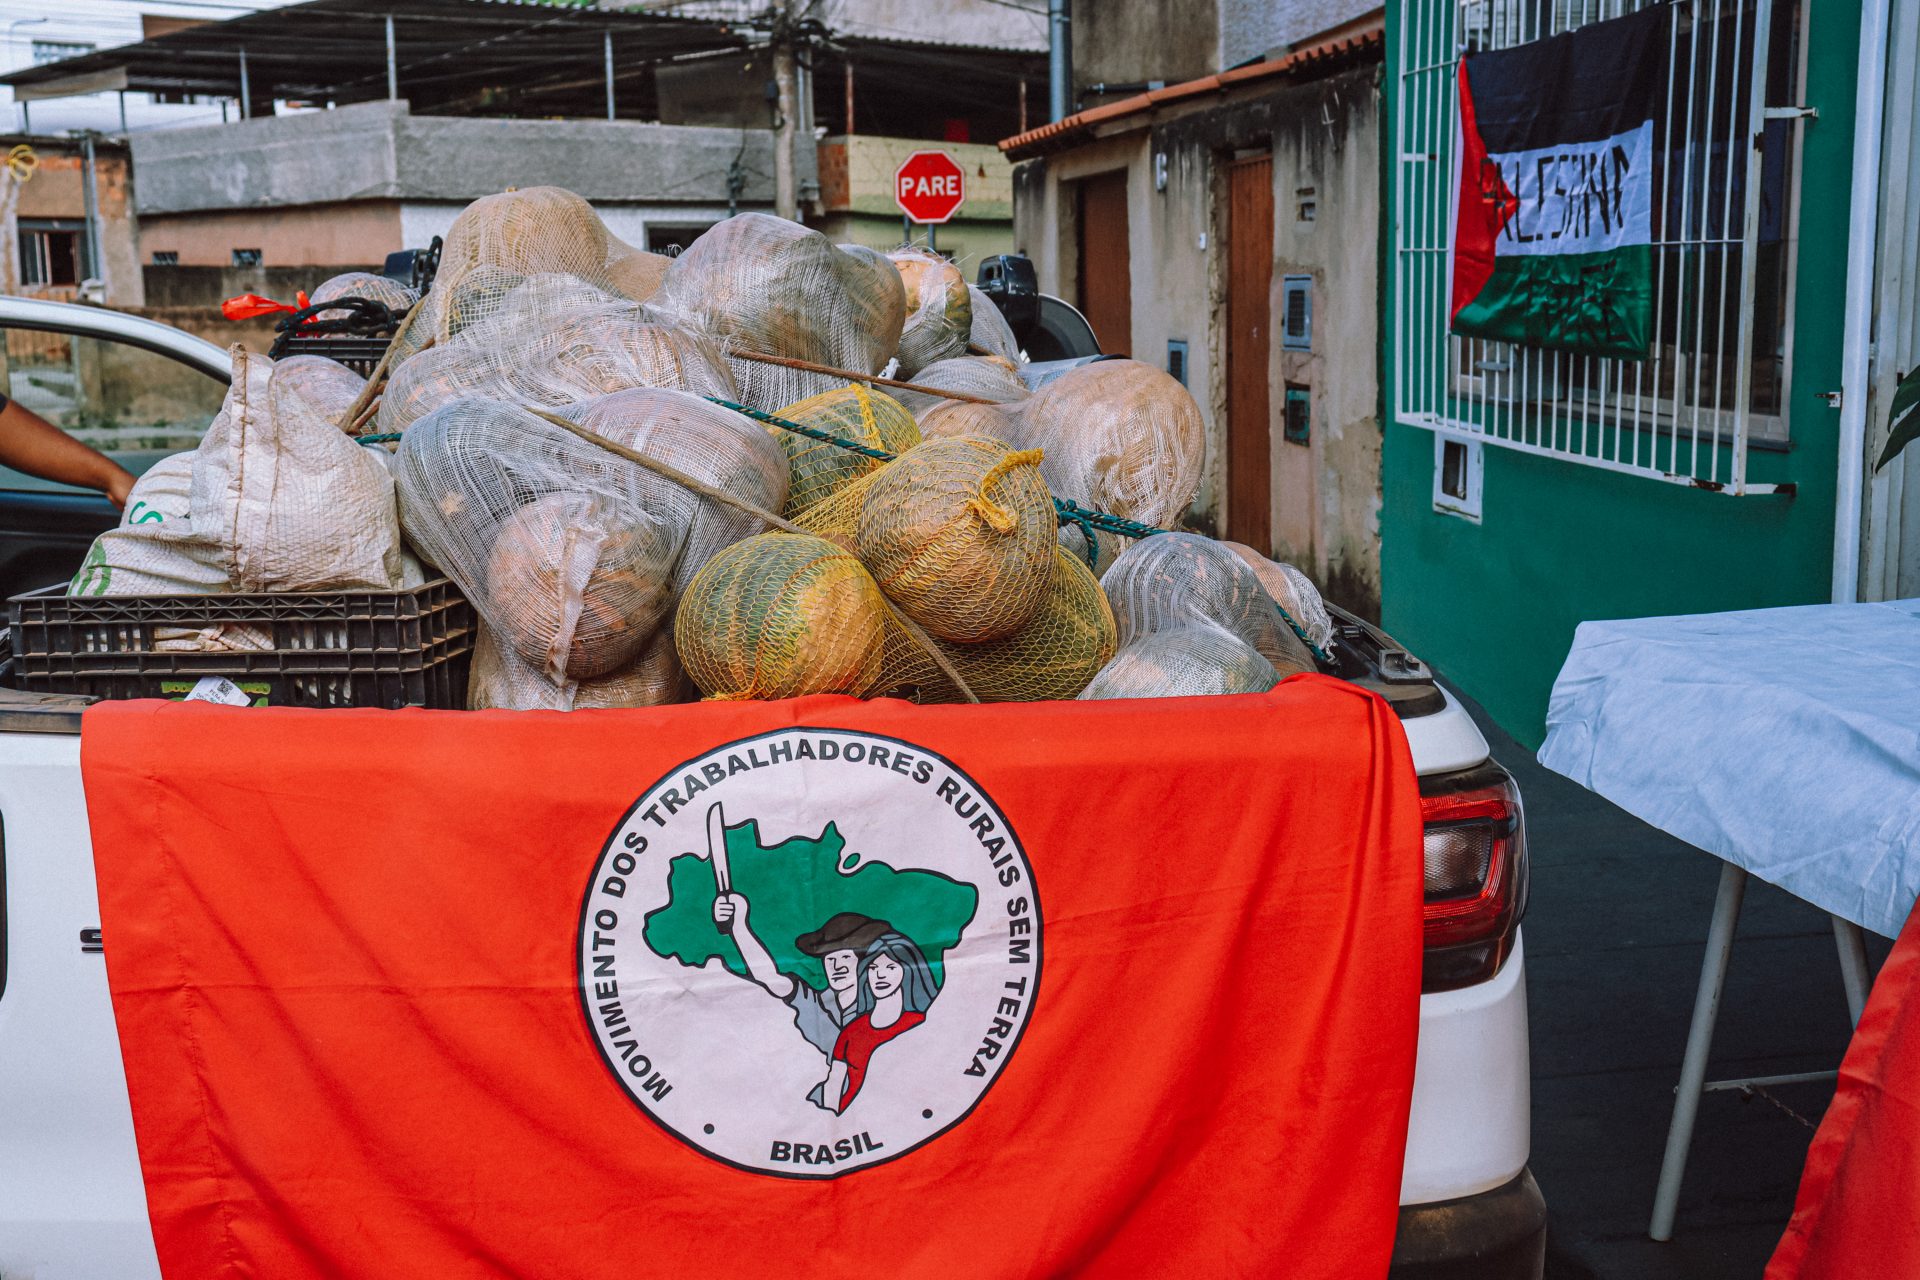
{"x":1858,"y":1212}
{"x":818,"y":987}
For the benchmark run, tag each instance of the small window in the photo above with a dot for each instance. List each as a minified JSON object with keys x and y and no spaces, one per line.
{"x":1457,"y":468}
{"x":247,"y":257}
{"x":1307,"y":206}
{"x":166,"y":257}
{"x":1298,"y":426}
{"x":672,"y":240}
{"x":1177,"y":360}
{"x":45,"y":51}
{"x":51,"y":254}
{"x":1296,"y":300}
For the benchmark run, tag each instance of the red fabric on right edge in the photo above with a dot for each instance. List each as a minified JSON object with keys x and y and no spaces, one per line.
{"x":1858,"y":1212}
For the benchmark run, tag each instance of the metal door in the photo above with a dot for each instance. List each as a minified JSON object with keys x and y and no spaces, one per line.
{"x":1106,"y":279}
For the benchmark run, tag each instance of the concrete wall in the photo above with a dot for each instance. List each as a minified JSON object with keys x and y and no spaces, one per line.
{"x":857,"y":175}
{"x":57,"y":191}
{"x":1325,"y":496}
{"x":994,"y":24}
{"x":362,"y":232}
{"x":1254,"y":29}
{"x":1120,"y":41}
{"x":966,"y":242}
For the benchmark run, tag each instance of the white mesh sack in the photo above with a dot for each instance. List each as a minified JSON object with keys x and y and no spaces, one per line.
{"x":1292,"y":590}
{"x":953,"y":418}
{"x":991,"y":332}
{"x":328,"y":386}
{"x":290,"y":500}
{"x":723,"y":449}
{"x":1182,"y":662}
{"x":1177,"y":580}
{"x":762,"y":284}
{"x":983,"y":377}
{"x":544,"y":533}
{"x":396,"y":297}
{"x":939,"y":310}
{"x":501,"y":679}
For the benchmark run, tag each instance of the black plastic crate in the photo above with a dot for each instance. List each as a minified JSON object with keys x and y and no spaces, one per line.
{"x":359,"y":354}
{"x":327,"y":648}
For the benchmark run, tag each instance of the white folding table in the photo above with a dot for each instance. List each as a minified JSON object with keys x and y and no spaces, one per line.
{"x":1786,"y":742}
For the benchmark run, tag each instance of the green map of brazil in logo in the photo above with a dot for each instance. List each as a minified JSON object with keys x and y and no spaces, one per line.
{"x":810,"y":952}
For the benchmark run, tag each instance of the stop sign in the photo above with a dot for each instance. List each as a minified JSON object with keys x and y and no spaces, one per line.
{"x":929,"y":186}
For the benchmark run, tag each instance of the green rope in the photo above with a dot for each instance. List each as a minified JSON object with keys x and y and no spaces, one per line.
{"x":389,"y":438}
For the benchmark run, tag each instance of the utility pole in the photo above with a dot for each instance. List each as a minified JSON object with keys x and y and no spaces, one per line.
{"x":1059,"y":60}
{"x":786,"y":187}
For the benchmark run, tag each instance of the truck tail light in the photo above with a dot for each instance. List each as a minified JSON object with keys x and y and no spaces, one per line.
{"x":1476,"y":874}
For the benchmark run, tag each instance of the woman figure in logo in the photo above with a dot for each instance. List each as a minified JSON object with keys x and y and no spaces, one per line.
{"x":896,"y":988}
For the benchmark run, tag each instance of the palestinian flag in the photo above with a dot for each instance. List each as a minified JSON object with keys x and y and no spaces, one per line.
{"x":1552,"y":241}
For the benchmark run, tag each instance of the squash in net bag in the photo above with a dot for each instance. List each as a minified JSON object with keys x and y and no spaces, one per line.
{"x":991,"y":332}
{"x":817,"y":469}
{"x":762,"y":284}
{"x":637,"y":273}
{"x":939,"y":310}
{"x":720,"y":448}
{"x":528,"y":231}
{"x":328,"y":387}
{"x":1175,"y":580}
{"x":952,"y":418}
{"x":780,"y":615}
{"x":1068,"y":639}
{"x":291,"y":501}
{"x":1120,"y":436}
{"x":960,"y":534}
{"x":1183,"y":662}
{"x":982,"y":377}
{"x":501,"y":680}
{"x":1292,"y":590}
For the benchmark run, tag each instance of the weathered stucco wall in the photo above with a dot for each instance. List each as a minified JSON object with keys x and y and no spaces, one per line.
{"x":1115,"y":41}
{"x":1324,"y":136}
{"x":57,"y":192}
{"x":362,"y":232}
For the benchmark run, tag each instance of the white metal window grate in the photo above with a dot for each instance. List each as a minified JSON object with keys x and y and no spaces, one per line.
{"x":1725,"y":190}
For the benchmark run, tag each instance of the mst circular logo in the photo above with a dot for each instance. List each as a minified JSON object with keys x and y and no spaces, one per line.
{"x":809,"y":952}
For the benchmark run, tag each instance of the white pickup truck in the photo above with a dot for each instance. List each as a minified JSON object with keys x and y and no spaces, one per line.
{"x":71,"y":1198}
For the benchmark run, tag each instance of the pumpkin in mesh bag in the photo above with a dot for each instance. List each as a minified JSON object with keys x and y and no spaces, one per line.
{"x":637,"y":273}
{"x":328,"y":387}
{"x":1068,"y":639}
{"x":575,"y":588}
{"x":1292,"y":590}
{"x":982,"y":377}
{"x":939,"y":310}
{"x":816,"y":469}
{"x":611,"y":349}
{"x":1183,"y":662}
{"x":391,"y":294}
{"x":531,"y":230}
{"x":960,"y":534}
{"x":1179,"y":579}
{"x":1120,"y":436}
{"x":780,"y":615}
{"x":952,"y":418}
{"x":501,"y":680}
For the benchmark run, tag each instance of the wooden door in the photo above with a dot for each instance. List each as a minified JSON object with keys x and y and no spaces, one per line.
{"x":1106,"y":278}
{"x":1249,"y":347}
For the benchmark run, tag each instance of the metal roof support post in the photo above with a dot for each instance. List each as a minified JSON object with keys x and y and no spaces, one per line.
{"x":90,"y":194}
{"x":393,"y":65}
{"x":1059,"y":61}
{"x":607,"y":44}
{"x":246,"y":88}
{"x":123,"y":113}
{"x":1856,"y":356}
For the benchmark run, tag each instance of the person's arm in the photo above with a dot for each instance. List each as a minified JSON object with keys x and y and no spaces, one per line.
{"x":760,"y":967}
{"x":836,"y":1086}
{"x":29,"y":443}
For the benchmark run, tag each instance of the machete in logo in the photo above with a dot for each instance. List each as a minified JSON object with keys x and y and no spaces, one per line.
{"x":810,"y":952}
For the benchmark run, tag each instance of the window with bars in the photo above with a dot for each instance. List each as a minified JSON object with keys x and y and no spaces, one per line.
{"x":1725,"y":187}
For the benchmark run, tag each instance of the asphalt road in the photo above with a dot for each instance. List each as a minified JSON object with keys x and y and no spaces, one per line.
{"x":1615,"y":932}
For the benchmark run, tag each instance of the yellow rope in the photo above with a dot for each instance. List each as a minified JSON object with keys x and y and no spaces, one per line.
{"x":995,"y":516}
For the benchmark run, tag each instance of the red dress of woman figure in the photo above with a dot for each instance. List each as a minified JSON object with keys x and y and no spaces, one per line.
{"x":896,"y":988}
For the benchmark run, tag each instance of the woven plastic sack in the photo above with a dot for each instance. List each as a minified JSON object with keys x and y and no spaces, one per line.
{"x":153,"y":551}
{"x":292,"y":503}
{"x":1183,"y":662}
{"x":501,"y":680}
{"x":991,"y":332}
{"x":718,"y":447}
{"x":1292,"y":590}
{"x":1178,"y":580}
{"x":982,"y":377}
{"x":939,"y":310}
{"x":762,"y":284}
{"x":1054,"y":656}
{"x":958,"y":533}
{"x":544,"y":532}
{"x":816,"y":469}
{"x":328,"y":386}
{"x":394,"y":296}
{"x":780,"y":615}
{"x":951,"y":418}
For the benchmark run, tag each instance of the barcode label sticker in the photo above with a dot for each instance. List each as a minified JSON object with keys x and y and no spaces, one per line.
{"x":221,"y":690}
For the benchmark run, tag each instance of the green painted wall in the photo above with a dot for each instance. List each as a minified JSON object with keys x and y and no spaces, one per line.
{"x":1493,"y":606}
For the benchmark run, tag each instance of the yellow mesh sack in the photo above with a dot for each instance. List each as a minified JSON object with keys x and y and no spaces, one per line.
{"x":1066,"y":642}
{"x":780,"y":615}
{"x":960,"y":535}
{"x":816,"y":469}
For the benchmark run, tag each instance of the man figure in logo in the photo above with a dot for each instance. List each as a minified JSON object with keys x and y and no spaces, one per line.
{"x":839,"y":943}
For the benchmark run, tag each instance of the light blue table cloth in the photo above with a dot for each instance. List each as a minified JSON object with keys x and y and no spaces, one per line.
{"x":1786,"y":741}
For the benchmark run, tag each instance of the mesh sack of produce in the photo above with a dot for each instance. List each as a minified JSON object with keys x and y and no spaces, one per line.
{"x":293,"y":503}
{"x":1175,"y":580}
{"x":1053,"y":657}
{"x":991,"y":332}
{"x":636,"y":273}
{"x":543,"y":532}
{"x":500,"y":679}
{"x":939,"y":310}
{"x":1183,"y":662}
{"x":391,"y":294}
{"x":1120,"y":436}
{"x":1292,"y":590}
{"x":816,"y":469}
{"x":951,"y":418}
{"x":982,"y":377}
{"x":718,"y":447}
{"x":762,"y":284}
{"x":328,"y":387}
{"x":780,"y":615}
{"x":959,"y":534}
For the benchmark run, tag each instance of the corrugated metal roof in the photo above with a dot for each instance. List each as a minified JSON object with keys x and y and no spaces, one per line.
{"x":1061,"y":134}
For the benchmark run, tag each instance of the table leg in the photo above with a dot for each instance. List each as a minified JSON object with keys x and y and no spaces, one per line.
{"x":1853,"y":965}
{"x":1693,"y":1067}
